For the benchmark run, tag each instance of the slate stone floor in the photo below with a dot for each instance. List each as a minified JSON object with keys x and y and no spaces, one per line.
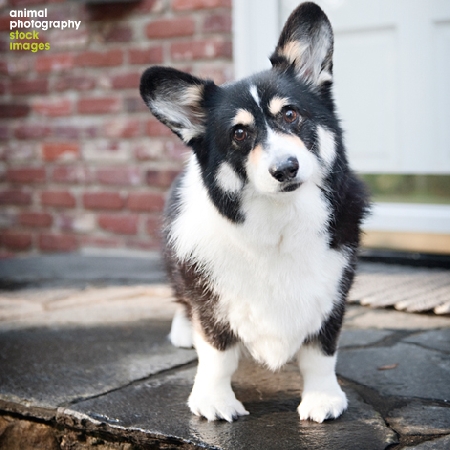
{"x":85,"y":364}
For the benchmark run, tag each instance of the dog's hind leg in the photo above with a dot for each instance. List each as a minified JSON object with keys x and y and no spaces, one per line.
{"x":181,"y":329}
{"x":322,"y":397}
{"x":212,"y":396}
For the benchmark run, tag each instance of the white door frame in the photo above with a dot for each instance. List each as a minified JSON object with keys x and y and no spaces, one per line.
{"x":256,"y":26}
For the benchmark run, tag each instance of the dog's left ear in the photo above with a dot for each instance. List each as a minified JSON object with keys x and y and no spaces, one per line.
{"x":177,"y":99}
{"x":306,"y":43}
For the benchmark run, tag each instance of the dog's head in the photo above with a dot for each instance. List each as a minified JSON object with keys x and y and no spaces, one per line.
{"x":271,"y":132}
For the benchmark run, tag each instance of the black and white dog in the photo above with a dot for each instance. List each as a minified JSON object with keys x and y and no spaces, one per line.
{"x":262,"y":227}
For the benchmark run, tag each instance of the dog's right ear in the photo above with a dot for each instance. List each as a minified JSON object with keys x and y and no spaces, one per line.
{"x":306,"y":45}
{"x":177,"y":100}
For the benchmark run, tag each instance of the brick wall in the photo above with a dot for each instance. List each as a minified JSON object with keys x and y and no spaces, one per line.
{"x":83,"y":164}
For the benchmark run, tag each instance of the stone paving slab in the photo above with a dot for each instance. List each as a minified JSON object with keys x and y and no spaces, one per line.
{"x":403,"y":370}
{"x":90,"y":305}
{"x":273,"y":423}
{"x":50,"y":367}
{"x":436,"y":444}
{"x":420,"y":419}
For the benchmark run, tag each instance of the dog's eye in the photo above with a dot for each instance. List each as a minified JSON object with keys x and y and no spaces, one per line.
{"x":290,"y":115}
{"x":239,"y":134}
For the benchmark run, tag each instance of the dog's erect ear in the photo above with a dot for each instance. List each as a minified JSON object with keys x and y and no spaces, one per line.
{"x":306,"y":43}
{"x":177,"y":100}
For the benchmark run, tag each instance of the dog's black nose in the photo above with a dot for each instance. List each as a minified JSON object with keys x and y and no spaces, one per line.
{"x":286,"y":170}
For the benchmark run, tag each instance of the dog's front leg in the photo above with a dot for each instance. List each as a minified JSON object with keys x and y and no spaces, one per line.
{"x":212,"y":396}
{"x":322,"y":397}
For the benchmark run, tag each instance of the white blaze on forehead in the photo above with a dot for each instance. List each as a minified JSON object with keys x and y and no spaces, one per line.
{"x":327,"y":145}
{"x":243,"y":117}
{"x":227,"y":179}
{"x":276,"y":104}
{"x":254,"y":92}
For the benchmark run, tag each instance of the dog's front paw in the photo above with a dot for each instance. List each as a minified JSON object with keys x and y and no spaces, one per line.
{"x":215,"y":406}
{"x":321,"y":405}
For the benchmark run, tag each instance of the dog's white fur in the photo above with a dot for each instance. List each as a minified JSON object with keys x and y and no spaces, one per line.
{"x":267,"y":271}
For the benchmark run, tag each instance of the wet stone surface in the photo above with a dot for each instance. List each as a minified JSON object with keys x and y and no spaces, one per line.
{"x":86,"y":368}
{"x":442,"y":443}
{"x":48,"y":367}
{"x":420,"y":419}
{"x":271,"y":399}
{"x":404,"y":370}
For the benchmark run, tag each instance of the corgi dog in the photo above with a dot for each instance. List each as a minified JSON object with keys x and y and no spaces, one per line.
{"x":262,"y":227}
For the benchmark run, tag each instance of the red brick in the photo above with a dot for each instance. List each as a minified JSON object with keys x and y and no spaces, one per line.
{"x":51,"y":151}
{"x":119,"y":176}
{"x":53,"y":108}
{"x":161,"y":178}
{"x":76,"y":83}
{"x":119,"y":224}
{"x":27,"y":87}
{"x":168,"y":28}
{"x":149,"y":55}
{"x":182,"y":5}
{"x":156,"y":128}
{"x":37,"y":131}
{"x":147,"y":6}
{"x":122,"y":128}
{"x":66,"y":132}
{"x":54,"y":62}
{"x":58,"y":243}
{"x":103,"y":200}
{"x":59,"y":199}
{"x":15,"y":198}
{"x":135,"y":104}
{"x":28,"y":2}
{"x":4,"y":23}
{"x":16,"y":241}
{"x":4,"y":132}
{"x":102,"y":11}
{"x":100,"y":59}
{"x":203,"y":49}
{"x":69,"y":174}
{"x":126,"y":80}
{"x":13,"y":110}
{"x":26,"y":175}
{"x":145,"y":202}
{"x":99,"y":105}
{"x":35,"y":219}
{"x":119,"y":33}
{"x":77,"y":223}
{"x":217,"y":23}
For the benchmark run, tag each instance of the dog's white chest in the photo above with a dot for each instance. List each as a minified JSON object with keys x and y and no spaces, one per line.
{"x":275,"y":275}
{"x":279,"y":294}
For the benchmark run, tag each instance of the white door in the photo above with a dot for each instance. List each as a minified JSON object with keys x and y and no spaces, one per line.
{"x":392,"y":89}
